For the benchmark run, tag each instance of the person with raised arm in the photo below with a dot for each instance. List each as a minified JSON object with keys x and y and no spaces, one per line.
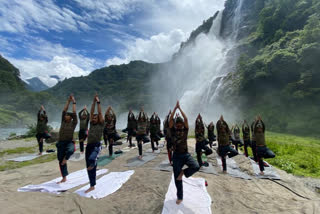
{"x":246,"y":137}
{"x":42,"y":128}
{"x":141,"y":130}
{"x":211,"y":136}
{"x":84,"y":118}
{"x":181,"y":156}
{"x":253,"y":141}
{"x":65,"y":145}
{"x":236,"y":141}
{"x":110,"y":132}
{"x":167,"y":134}
{"x":94,"y":145}
{"x":224,"y":147}
{"x":154,"y":132}
{"x":262,"y":150}
{"x":201,"y":141}
{"x":131,"y":127}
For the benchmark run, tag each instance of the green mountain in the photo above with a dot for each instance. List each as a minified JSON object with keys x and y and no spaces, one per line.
{"x":123,"y":86}
{"x":9,"y":77}
{"x":278,"y":72}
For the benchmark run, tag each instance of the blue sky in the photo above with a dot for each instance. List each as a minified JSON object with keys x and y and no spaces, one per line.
{"x":73,"y":37}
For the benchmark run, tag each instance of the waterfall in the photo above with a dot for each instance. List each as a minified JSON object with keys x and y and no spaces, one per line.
{"x":196,"y":75}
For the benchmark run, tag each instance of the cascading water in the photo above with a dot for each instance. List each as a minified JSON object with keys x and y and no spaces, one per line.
{"x":196,"y":75}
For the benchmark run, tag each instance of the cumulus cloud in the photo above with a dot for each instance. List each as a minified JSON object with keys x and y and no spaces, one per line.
{"x":177,"y":18}
{"x":158,"y":48}
{"x":59,"y":66}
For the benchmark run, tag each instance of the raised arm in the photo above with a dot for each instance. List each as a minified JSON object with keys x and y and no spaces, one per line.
{"x":93,"y":106}
{"x":73,"y":105}
{"x":101,"y":120}
{"x":66,"y":106}
{"x":186,"y":124}
{"x":172,"y":116}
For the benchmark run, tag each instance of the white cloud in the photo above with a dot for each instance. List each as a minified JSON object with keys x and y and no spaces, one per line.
{"x":158,"y":48}
{"x":176,"y":17}
{"x":60,"y":66}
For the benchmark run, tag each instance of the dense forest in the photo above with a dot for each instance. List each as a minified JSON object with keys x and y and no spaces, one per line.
{"x":278,"y":72}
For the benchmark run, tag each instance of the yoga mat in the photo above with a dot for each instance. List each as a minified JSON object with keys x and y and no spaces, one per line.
{"x":73,"y":180}
{"x":104,"y":160}
{"x":155,"y":151}
{"x":77,"y":157}
{"x":27,"y":157}
{"x":136,"y":162}
{"x":106,"y":185}
{"x":269,"y":172}
{"x":233,"y":169}
{"x":196,"y":199}
{"x":165,"y":166}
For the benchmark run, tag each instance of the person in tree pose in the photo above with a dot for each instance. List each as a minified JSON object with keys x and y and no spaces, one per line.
{"x":42,"y":128}
{"x":246,"y":137}
{"x":110,"y":133}
{"x":84,"y":118}
{"x":224,"y":147}
{"x":154,"y":132}
{"x":262,"y":150}
{"x":201,"y":143}
{"x":142,"y":124}
{"x":65,"y":145}
{"x":167,"y":133}
{"x":131,"y":127}
{"x":211,"y":135}
{"x":236,"y":137}
{"x":179,"y":130}
{"x":94,"y":145}
{"x":253,"y":142}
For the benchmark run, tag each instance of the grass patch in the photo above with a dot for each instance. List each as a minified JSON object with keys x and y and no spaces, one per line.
{"x":18,"y":150}
{"x":14,"y":165}
{"x":294,"y":154}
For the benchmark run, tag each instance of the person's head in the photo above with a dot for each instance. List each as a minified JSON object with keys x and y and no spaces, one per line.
{"x":142,"y":118}
{"x":42,"y":117}
{"x":179,"y":123}
{"x":95,"y":119}
{"x":67,"y":117}
{"x":109,"y":117}
{"x":83,"y":116}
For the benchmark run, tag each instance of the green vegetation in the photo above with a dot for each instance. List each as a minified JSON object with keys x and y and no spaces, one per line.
{"x":294,"y":154}
{"x":279,"y":73}
{"x":18,"y":150}
{"x":32,"y":130}
{"x":13,"y":165}
{"x":129,"y":82}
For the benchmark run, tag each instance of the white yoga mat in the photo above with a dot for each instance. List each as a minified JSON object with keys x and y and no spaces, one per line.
{"x":196,"y":199}
{"x":74,"y":179}
{"x":233,"y":169}
{"x":106,"y":185}
{"x":27,"y":157}
{"x":269,"y":172}
{"x":77,"y":156}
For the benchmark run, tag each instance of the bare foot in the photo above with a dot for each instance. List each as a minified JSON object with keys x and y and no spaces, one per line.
{"x":64,"y":179}
{"x":89,"y":190}
{"x":140,"y":157}
{"x":64,"y":161}
{"x":178,"y":201}
{"x":261,"y":173}
{"x":224,"y":171}
{"x":90,"y":168}
{"x":40,"y":153}
{"x":179,"y":178}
